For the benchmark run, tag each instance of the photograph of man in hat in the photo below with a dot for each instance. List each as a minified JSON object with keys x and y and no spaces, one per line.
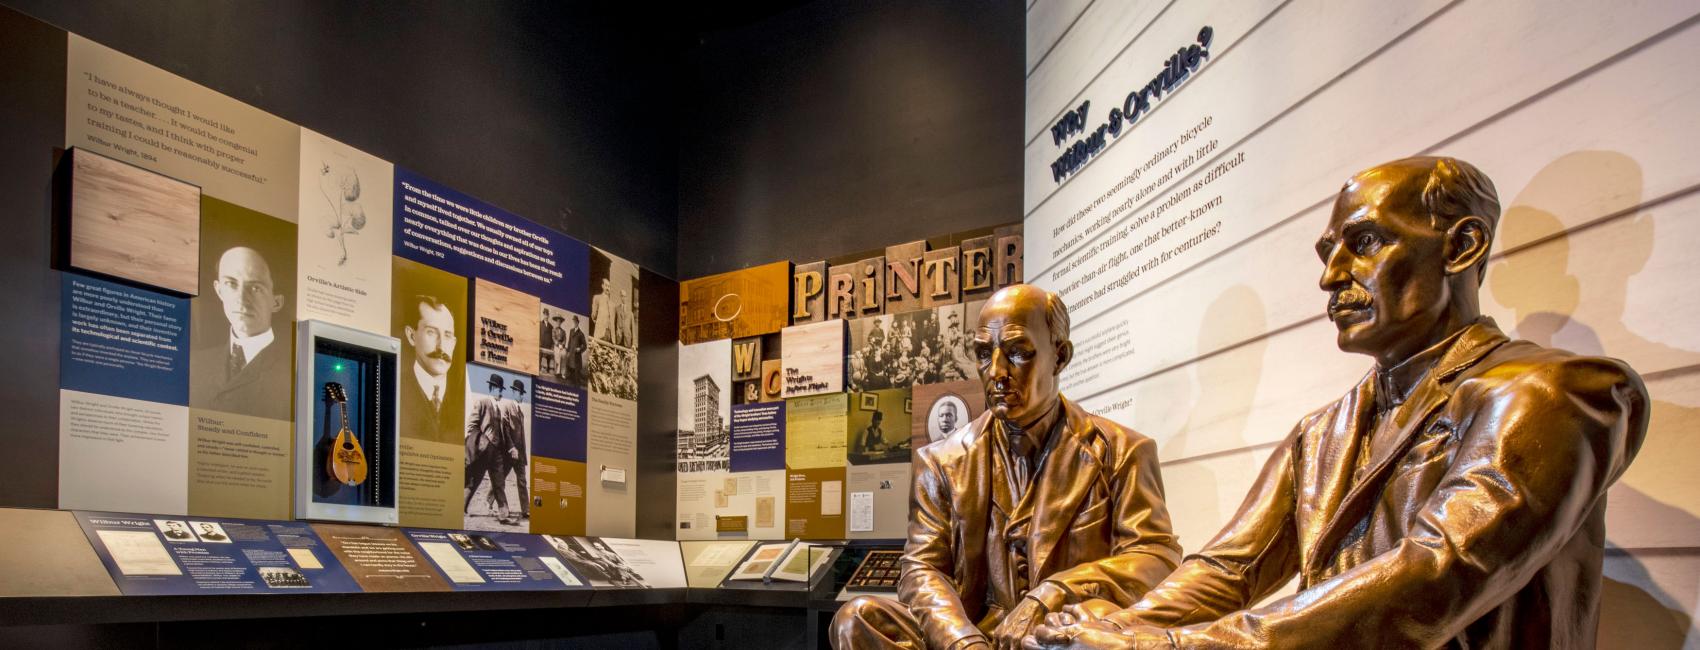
{"x":512,"y":458}
{"x":487,"y":439}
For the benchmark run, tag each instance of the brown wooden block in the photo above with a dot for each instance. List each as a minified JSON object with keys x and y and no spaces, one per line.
{"x":746,"y":359}
{"x":746,"y":302}
{"x":772,"y":380}
{"x":976,"y":268}
{"x":1007,"y":256}
{"x":131,"y":223}
{"x":870,"y":287}
{"x":808,"y":293}
{"x":504,"y":327}
{"x":940,"y":282}
{"x":903,"y":276}
{"x":841,"y":291}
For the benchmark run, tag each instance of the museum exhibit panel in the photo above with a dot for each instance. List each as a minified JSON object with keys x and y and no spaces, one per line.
{"x":828,"y":324}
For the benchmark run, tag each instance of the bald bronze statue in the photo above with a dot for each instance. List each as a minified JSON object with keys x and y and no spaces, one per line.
{"x":1034,"y":505}
{"x":1455,"y":497}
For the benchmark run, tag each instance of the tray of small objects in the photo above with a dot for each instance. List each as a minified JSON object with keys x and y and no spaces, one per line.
{"x":878,"y":572}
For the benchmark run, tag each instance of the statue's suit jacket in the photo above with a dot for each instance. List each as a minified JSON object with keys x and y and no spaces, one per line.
{"x":1098,"y":525}
{"x":1482,"y":525}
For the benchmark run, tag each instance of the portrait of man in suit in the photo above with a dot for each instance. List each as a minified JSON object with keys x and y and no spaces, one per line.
{"x":247,"y":369}
{"x":431,"y":389}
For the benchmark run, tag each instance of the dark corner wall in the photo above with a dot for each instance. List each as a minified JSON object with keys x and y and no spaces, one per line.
{"x":550,"y":110}
{"x":839,"y":126}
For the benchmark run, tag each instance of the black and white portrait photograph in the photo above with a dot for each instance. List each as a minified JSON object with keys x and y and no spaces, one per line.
{"x":563,"y":345}
{"x":917,"y":347}
{"x":463,"y":541}
{"x":242,"y":333}
{"x":175,"y":530}
{"x":613,"y":299}
{"x":210,"y":532}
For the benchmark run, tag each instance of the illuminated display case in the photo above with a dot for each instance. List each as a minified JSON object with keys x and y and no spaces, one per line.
{"x":345,"y":424}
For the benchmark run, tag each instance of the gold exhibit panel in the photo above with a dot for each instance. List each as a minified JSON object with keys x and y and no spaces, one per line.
{"x":557,"y":493}
{"x":504,"y":327}
{"x":428,"y":315}
{"x":238,"y":465}
{"x":610,"y":465}
{"x":815,"y":431}
{"x":241,"y":341}
{"x":121,"y":107}
{"x":877,"y":424}
{"x":814,"y":503}
{"x":346,"y":199}
{"x":430,"y":483}
{"x":131,"y":223}
{"x":747,"y":302}
{"x":380,"y":559}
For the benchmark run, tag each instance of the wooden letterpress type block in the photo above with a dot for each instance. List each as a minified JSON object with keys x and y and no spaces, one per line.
{"x":808,"y":293}
{"x":1007,"y":256}
{"x":841,"y":291}
{"x":870,"y":287}
{"x":746,"y":359}
{"x":903,"y":277}
{"x":940,"y":280}
{"x":976,"y":268}
{"x":772,"y":380}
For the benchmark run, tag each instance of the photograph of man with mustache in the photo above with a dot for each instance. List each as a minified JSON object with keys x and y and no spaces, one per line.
{"x":432,"y":391}
{"x":1454,"y":497}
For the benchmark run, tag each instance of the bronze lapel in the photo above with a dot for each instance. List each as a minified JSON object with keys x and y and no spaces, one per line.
{"x":1433,"y":392}
{"x":1325,"y":473}
{"x":1066,"y":479}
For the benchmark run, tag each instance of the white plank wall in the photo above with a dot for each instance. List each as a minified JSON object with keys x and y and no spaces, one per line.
{"x":1583,"y":113}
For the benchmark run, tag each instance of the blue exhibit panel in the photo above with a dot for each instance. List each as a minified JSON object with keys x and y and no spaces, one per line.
{"x":175,"y":556}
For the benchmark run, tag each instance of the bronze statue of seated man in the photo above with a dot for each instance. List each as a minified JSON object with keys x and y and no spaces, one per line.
{"x":1034,"y":505}
{"x":1454,"y":497}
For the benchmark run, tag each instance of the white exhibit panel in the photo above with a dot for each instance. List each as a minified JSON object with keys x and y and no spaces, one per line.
{"x":1183,"y":240}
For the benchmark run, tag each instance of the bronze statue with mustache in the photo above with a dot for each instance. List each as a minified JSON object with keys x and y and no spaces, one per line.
{"x":1454,"y":497}
{"x":1034,"y":505}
